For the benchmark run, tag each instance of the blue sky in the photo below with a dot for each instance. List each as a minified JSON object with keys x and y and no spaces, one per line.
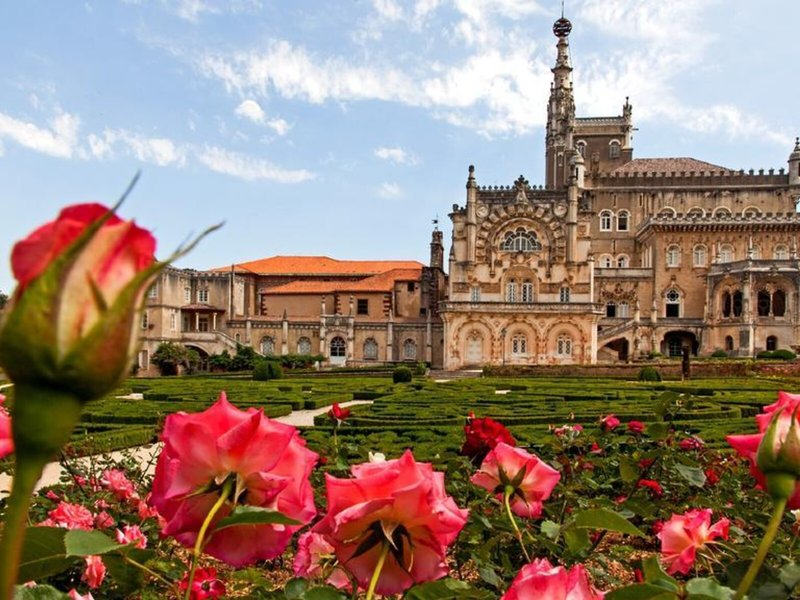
{"x":343,"y":128}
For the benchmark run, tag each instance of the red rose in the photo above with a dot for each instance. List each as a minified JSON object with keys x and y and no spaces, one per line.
{"x":609,"y":423}
{"x":338,"y":414}
{"x":636,"y":427}
{"x":482,"y":435}
{"x":205,"y":586}
{"x":655,"y":489}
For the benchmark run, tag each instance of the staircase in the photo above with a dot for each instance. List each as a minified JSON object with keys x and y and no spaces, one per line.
{"x":615,"y":331}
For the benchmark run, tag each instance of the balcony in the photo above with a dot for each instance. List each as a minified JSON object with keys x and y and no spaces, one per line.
{"x":523,"y":307}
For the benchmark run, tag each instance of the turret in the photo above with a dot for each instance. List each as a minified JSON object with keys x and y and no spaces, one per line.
{"x":794,"y":164}
{"x":560,"y":112}
{"x":472,"y":224}
{"x":437,"y":250}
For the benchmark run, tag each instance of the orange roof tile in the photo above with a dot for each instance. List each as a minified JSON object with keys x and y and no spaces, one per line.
{"x":667,"y":165}
{"x":319,"y":265}
{"x":383,"y":282}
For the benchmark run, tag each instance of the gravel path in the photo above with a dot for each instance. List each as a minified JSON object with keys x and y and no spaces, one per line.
{"x":146,"y":455}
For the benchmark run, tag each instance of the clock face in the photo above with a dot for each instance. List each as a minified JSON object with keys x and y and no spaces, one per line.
{"x":482,"y":211}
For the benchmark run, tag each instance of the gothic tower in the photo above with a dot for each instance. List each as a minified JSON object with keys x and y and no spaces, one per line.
{"x":560,"y":113}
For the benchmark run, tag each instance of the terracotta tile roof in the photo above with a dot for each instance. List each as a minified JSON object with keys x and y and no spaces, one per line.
{"x":383,"y":282}
{"x":320,"y":265}
{"x":667,"y":165}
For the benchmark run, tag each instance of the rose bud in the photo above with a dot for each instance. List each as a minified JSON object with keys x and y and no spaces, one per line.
{"x":778,"y":455}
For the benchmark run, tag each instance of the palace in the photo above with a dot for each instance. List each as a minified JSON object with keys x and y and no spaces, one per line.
{"x":614,"y":257}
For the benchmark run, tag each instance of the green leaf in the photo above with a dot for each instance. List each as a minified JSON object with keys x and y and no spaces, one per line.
{"x":87,"y":543}
{"x":489,"y":575}
{"x":254,"y":515}
{"x":705,"y":588}
{"x":551,"y":529}
{"x":43,"y":554}
{"x":295,"y":588}
{"x":693,"y":475}
{"x":128,"y":577}
{"x":323,"y":593}
{"x":655,"y":574}
{"x":601,"y":518}
{"x":445,"y":589}
{"x":658,"y":431}
{"x":40,"y":592}
{"x":641,"y":591}
{"x":628,"y":470}
{"x":790,"y":575}
{"x":577,"y":539}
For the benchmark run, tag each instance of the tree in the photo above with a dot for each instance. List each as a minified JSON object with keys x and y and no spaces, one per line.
{"x":169,"y":356}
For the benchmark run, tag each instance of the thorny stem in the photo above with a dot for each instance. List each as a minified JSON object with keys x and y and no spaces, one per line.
{"x":506,"y":501}
{"x":376,"y":574}
{"x":763,"y":548}
{"x":227,"y":488}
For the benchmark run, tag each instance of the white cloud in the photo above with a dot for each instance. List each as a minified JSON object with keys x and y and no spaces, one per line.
{"x":250,"y":109}
{"x":247,"y":167}
{"x":396,"y":155}
{"x":60,"y":139}
{"x":155,"y":150}
{"x":389,"y":190}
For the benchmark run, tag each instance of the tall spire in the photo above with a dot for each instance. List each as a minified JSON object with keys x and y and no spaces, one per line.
{"x":560,"y":110}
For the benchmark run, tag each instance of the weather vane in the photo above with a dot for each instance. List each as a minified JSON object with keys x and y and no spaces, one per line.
{"x":436,"y":223}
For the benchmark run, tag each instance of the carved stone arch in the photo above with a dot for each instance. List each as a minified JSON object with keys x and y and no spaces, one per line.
{"x":549,"y":231}
{"x":471,"y":335}
{"x":580,"y":341}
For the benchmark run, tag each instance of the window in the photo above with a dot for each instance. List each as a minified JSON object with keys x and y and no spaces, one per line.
{"x":338,"y":347}
{"x":410,"y":287}
{"x":370,"y":349}
{"x":764,"y":302}
{"x":751,"y":212}
{"x":772,"y":343}
{"x":362,"y":306}
{"x":725,"y":253}
{"x":623,"y":310}
{"x":521,"y":240}
{"x":673,"y":303}
{"x":675,"y":346}
{"x":611,"y":309}
{"x":778,"y":303}
{"x":564,"y":346}
{"x":173,"y":321}
{"x":187,"y":295}
{"x":267,"y":346}
{"x":622,"y":220}
{"x":606,"y":262}
{"x":145,"y":320}
{"x":202,"y":296}
{"x":699,"y":256}
{"x":729,"y":343}
{"x":410,"y":350}
{"x":144,"y":359}
{"x":304,"y":345}
{"x":475,"y":294}
{"x":781,"y":252}
{"x":727,"y":304}
{"x":563,"y":294}
{"x":722,"y":212}
{"x":527,"y":291}
{"x":622,"y":261}
{"x":667,"y":213}
{"x":152,"y":293}
{"x":674,"y":256}
{"x":519,"y":344}
{"x":511,"y":291}
{"x":738,"y":303}
{"x":238,"y":337}
{"x":202,"y":323}
{"x":613,"y":149}
{"x":606,"y":218}
{"x":755,"y":252}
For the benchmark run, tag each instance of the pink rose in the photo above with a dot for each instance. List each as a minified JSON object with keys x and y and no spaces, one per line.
{"x":6,"y":440}
{"x":683,"y":535}
{"x":104,"y":520}
{"x":205,"y":586}
{"x":636,"y":427}
{"x":117,"y":483}
{"x":540,"y":580}
{"x":267,"y":462}
{"x":73,"y":322}
{"x":747,"y":445}
{"x":504,"y":464}
{"x":399,"y":506}
{"x":316,"y":558}
{"x":132,"y":534}
{"x":609,"y":423}
{"x":70,"y":516}
{"x":95,"y":572}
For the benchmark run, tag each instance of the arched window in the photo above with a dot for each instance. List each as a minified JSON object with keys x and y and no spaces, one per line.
{"x":725,"y":253}
{"x":521,"y":240}
{"x":623,"y":220}
{"x":772,"y":343}
{"x":667,"y":212}
{"x":781,"y":252}
{"x":673,"y":303}
{"x":304,"y":345}
{"x":606,"y":262}
{"x":511,"y":290}
{"x":727,"y":304}
{"x":778,"y":303}
{"x":622,"y":261}
{"x":338,"y":347}
{"x":721,"y":212}
{"x":611,"y":309}
{"x":606,"y":220}
{"x":519,"y":344}
{"x":728,"y":343}
{"x":613,"y":149}
{"x":527,"y":291}
{"x":699,"y":256}
{"x":750,"y":212}
{"x":763,"y":303}
{"x":738,"y":303}
{"x":564,"y":346}
{"x":755,"y":252}
{"x":674,"y":256}
{"x":563,"y":294}
{"x":238,"y":337}
{"x":370,"y":349}
{"x":267,"y":346}
{"x":410,"y":350}
{"x":623,"y":310}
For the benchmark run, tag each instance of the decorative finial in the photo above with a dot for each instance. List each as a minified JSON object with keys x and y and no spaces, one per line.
{"x":562,"y":9}
{"x":562,"y":27}
{"x":436,"y":223}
